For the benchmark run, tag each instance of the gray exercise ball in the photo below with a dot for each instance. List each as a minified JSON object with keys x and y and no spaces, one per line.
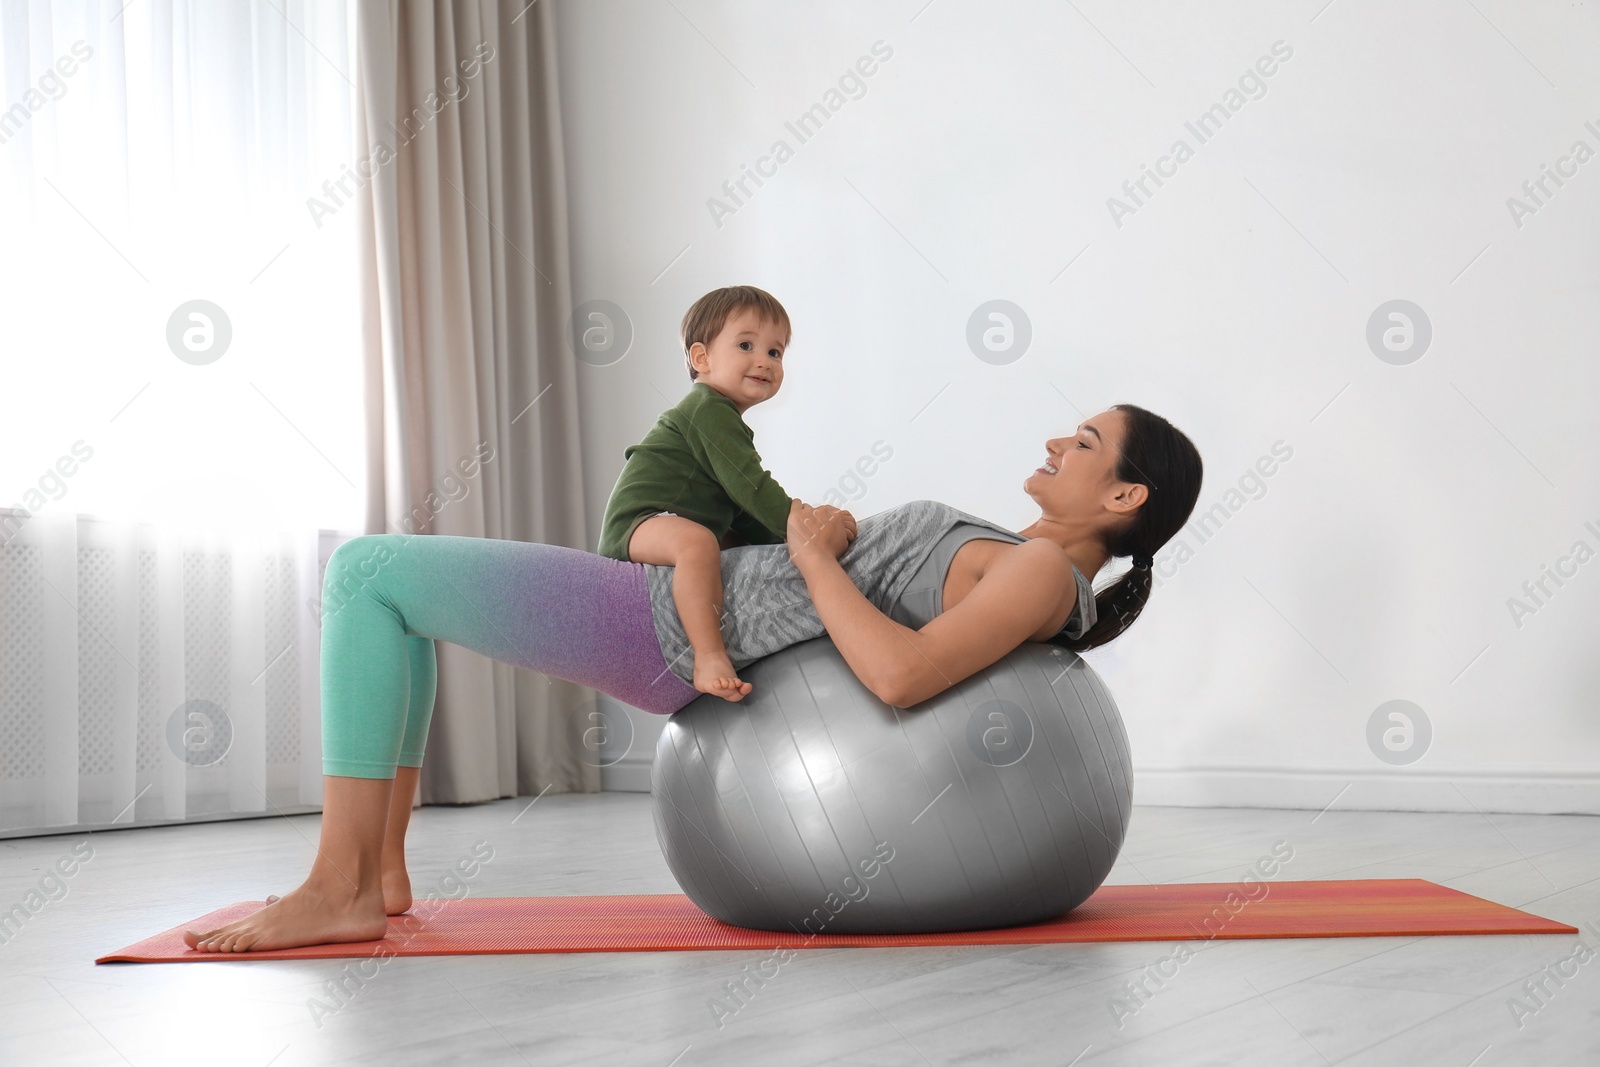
{"x":812,"y":807}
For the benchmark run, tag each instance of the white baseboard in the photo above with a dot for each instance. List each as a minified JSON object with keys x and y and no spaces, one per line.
{"x":630,"y":774}
{"x":1526,"y":793}
{"x":1402,"y":789}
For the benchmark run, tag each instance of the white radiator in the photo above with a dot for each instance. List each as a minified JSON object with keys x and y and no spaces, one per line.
{"x":152,"y":674}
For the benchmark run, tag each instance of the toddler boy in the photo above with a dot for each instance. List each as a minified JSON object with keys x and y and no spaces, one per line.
{"x":696,"y":478}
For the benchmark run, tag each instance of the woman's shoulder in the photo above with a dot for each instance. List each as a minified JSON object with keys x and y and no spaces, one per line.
{"x":1083,"y":613}
{"x":937,"y":515}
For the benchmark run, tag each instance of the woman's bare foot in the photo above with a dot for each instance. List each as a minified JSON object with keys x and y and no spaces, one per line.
{"x":305,"y":916}
{"x":396,"y":892}
{"x":715,"y":675}
{"x":396,"y":880}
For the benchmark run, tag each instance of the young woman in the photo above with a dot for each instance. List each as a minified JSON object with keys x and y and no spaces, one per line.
{"x":1122,"y":485}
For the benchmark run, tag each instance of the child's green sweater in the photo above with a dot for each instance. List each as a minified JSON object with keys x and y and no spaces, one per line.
{"x":698,"y":461}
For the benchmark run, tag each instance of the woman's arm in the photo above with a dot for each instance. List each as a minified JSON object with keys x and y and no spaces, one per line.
{"x":1019,"y":591}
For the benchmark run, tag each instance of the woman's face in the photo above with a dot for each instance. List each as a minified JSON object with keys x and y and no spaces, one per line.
{"x":1079,"y":472}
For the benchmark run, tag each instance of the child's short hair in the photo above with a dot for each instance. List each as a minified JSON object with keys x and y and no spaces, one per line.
{"x":710,"y":313}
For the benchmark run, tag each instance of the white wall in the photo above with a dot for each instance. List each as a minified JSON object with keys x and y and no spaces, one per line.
{"x":1377,"y":561}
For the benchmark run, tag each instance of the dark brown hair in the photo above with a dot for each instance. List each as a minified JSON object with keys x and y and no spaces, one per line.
{"x":710,"y":313}
{"x":1159,"y":456}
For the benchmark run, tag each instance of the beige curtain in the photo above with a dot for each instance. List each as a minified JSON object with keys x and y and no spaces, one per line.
{"x":465,"y":290}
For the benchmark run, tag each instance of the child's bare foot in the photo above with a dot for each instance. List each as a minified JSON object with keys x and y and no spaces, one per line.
{"x":305,"y":916}
{"x":715,"y":675}
{"x":396,"y":891}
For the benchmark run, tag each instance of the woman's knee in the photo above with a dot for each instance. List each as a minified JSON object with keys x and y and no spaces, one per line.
{"x":353,"y":565}
{"x":360,"y":554}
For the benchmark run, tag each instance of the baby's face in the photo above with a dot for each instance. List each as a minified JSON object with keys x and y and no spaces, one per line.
{"x":745,"y":361}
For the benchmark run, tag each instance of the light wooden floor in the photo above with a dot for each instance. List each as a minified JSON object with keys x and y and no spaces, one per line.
{"x":1344,"y":1000}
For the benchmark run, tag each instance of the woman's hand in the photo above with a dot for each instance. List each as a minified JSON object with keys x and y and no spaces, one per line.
{"x":813,"y":531}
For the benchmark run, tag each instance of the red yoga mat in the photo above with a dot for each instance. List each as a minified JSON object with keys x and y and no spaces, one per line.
{"x":1403,"y":907}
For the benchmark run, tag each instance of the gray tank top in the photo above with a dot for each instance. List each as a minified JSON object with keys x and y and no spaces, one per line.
{"x":923,"y":597}
{"x":898,"y":562}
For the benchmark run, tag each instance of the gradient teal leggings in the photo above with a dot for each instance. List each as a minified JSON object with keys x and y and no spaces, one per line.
{"x":560,"y":611}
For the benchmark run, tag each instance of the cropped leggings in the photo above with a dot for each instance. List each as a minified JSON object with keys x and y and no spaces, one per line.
{"x":560,"y":611}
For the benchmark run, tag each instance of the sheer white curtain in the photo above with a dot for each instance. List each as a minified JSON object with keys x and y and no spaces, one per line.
{"x":180,"y":439}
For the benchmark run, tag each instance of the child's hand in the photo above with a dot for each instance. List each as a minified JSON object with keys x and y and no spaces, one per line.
{"x":824,"y":529}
